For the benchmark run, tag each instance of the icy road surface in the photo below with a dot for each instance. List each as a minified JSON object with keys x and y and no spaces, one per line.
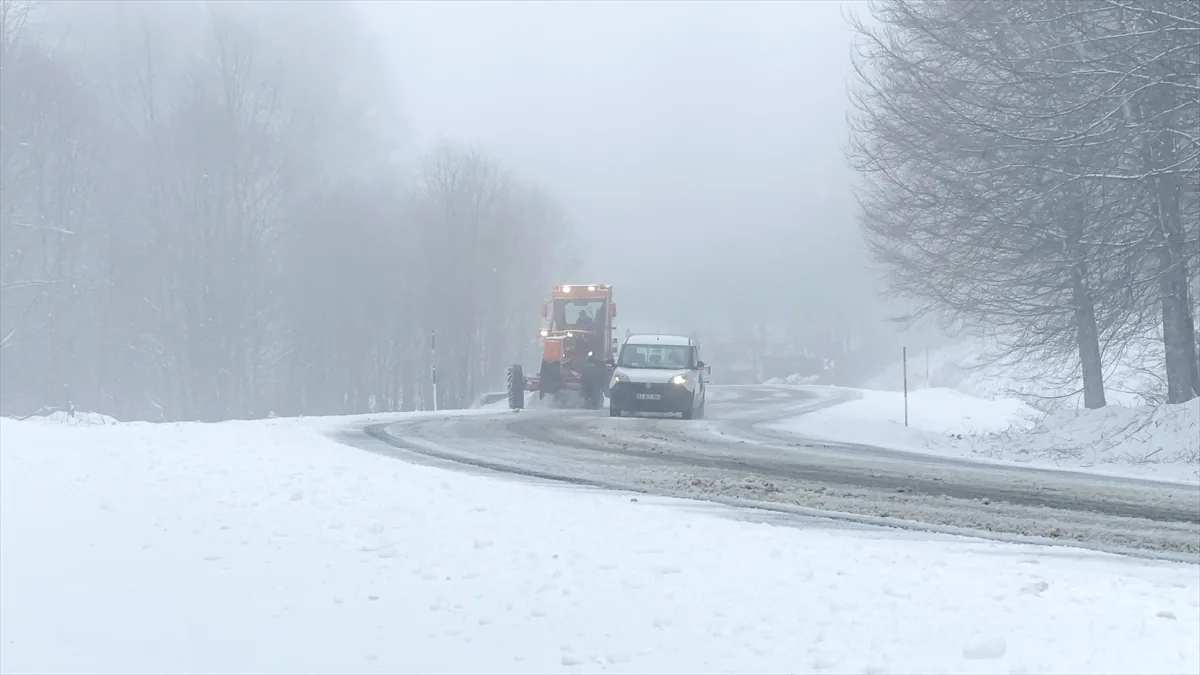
{"x":735,"y":456}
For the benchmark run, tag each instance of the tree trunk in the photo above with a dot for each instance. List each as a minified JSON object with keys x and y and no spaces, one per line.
{"x":1179,"y":338}
{"x":1088,"y":340}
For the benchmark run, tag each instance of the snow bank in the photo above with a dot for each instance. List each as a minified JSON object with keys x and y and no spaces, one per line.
{"x":970,"y":366}
{"x":935,"y":411}
{"x":265,"y":546}
{"x":73,"y":418}
{"x":1144,"y":437}
{"x":794,"y":378}
{"x":1130,"y":436}
{"x":935,"y":418}
{"x":1161,"y":443}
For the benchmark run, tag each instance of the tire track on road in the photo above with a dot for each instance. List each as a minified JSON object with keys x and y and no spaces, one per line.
{"x":692,"y":459}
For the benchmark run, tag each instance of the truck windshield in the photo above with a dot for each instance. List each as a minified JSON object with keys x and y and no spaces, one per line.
{"x":581,"y":313}
{"x":673,"y":357}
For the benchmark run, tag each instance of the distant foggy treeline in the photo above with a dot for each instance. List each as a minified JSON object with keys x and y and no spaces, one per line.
{"x":206,"y":213}
{"x":1034,"y":167}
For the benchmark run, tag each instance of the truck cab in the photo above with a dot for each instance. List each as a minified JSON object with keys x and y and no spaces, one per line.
{"x":577,"y":348}
{"x":583,"y":313}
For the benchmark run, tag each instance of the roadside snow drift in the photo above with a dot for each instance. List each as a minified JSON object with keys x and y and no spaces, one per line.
{"x":972,"y":366}
{"x":1161,"y":443}
{"x":267,"y":547}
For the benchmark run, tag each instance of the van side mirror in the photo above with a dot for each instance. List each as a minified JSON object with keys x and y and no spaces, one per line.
{"x":611,"y":363}
{"x":545,"y":310}
{"x":612,"y":310}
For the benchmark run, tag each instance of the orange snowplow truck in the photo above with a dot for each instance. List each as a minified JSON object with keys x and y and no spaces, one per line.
{"x":577,"y":346}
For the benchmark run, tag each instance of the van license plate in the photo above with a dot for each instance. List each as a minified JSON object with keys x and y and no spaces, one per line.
{"x":650,"y":397}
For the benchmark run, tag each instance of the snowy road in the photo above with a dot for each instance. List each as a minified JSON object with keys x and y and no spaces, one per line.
{"x":733,"y":458}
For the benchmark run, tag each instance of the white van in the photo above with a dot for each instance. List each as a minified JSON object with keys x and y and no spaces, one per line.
{"x":660,"y":374}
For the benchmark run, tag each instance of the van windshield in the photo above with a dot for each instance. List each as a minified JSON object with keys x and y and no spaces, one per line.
{"x":672,"y":357}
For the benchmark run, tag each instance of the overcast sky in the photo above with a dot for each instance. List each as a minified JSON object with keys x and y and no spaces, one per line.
{"x":671,"y":131}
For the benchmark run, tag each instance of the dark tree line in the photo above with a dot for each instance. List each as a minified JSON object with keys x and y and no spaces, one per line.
{"x":1034,"y":167}
{"x":204,"y":215}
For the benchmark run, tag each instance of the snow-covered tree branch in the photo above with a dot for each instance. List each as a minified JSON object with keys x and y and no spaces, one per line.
{"x":1032,"y":168}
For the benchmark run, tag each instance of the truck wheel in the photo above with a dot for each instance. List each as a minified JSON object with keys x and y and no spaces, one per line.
{"x":516,"y":386}
{"x":550,"y":378}
{"x":593,"y":387}
{"x":613,"y":411}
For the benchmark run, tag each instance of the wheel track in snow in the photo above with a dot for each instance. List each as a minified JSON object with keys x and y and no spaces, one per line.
{"x":732,"y":459}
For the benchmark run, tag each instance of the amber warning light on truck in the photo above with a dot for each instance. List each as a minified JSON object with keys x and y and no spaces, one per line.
{"x":589,"y":288}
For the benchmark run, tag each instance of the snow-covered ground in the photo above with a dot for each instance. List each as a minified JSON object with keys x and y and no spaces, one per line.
{"x":972,"y":366}
{"x":1153,"y":442}
{"x":794,"y":378}
{"x":266,"y":546}
{"x":965,"y":402}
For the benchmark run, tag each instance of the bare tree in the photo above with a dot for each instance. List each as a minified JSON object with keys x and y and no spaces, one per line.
{"x":1153,"y":48}
{"x":14,"y":16}
{"x":985,"y":133}
{"x":203,"y":217}
{"x":47,"y":161}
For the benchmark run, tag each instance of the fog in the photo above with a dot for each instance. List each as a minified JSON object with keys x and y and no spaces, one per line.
{"x":216,"y":210}
{"x":693,"y":143}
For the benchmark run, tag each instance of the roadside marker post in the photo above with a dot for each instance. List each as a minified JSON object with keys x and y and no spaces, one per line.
{"x":433,"y":365}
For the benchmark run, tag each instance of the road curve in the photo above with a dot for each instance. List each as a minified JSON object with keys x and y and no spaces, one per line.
{"x":731,"y":458}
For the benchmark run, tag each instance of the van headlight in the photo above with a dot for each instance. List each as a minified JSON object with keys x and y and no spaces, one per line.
{"x":619,"y":377}
{"x":679,"y":379}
